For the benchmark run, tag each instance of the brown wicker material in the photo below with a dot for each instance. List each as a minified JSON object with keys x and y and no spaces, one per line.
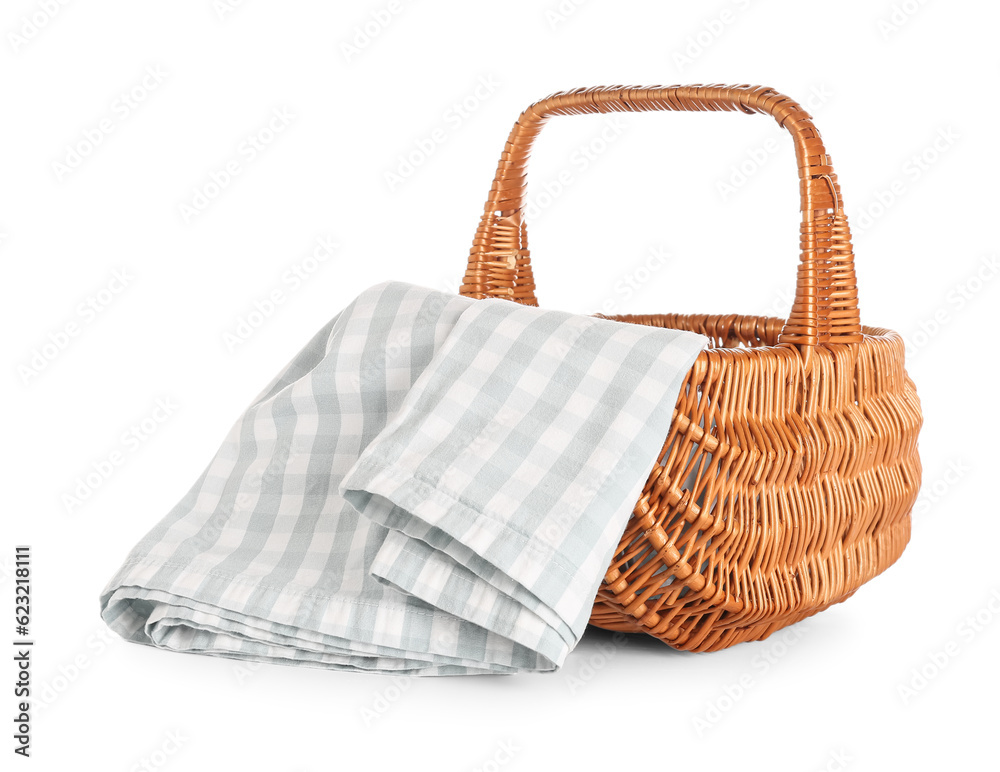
{"x":791,"y":466}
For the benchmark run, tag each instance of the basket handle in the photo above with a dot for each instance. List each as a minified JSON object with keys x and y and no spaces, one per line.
{"x":826,"y":299}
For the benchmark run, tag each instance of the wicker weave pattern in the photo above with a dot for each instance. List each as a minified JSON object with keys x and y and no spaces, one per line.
{"x":791,"y":467}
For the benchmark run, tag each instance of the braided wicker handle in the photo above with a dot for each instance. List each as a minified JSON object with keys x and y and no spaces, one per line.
{"x":826,"y":299}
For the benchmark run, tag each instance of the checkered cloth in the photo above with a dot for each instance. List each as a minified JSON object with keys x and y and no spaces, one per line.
{"x":433,"y":485}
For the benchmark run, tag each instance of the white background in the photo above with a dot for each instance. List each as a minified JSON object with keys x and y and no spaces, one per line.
{"x":905,"y":94}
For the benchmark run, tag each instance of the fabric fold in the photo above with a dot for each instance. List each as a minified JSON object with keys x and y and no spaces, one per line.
{"x":433,"y":485}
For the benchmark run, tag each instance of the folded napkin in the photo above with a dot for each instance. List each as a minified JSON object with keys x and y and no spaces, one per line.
{"x":433,"y":485}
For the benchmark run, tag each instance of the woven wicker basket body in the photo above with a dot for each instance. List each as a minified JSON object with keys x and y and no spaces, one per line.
{"x":791,"y":466}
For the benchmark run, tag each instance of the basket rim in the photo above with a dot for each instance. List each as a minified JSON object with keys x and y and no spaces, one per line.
{"x":869,"y":333}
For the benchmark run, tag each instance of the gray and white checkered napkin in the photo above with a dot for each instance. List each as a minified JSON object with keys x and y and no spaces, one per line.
{"x":433,"y":485}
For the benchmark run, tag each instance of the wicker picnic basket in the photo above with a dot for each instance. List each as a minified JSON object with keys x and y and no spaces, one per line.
{"x":791,"y":466}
